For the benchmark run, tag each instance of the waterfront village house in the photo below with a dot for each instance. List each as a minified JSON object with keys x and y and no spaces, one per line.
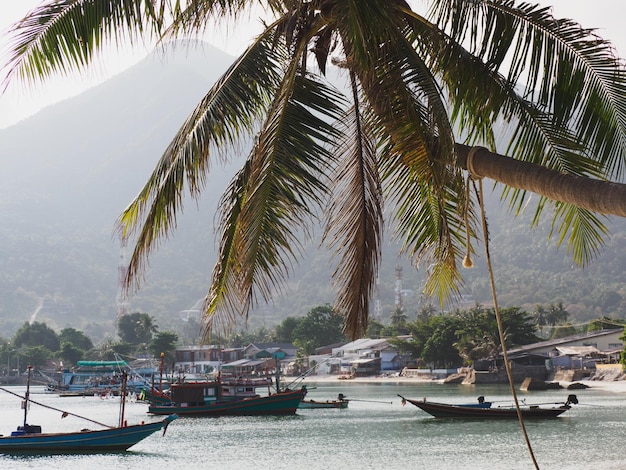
{"x":255,"y":351}
{"x":366,"y":357}
{"x":206,"y":359}
{"x":569,"y":358}
{"x":583,"y":352}
{"x":260,"y":359}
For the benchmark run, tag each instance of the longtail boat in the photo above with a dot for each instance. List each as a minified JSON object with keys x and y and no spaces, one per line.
{"x":487,"y":410}
{"x":30,"y":438}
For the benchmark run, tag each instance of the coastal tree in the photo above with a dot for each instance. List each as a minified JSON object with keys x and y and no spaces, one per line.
{"x":109,"y":350}
{"x":397,"y":317}
{"x":76,"y":338}
{"x":374,"y":329}
{"x":164,"y":342}
{"x":36,"y":356}
{"x":136,"y":328}
{"x":556,"y":314}
{"x":283,"y":332}
{"x":321,"y":326}
{"x":70,"y":354}
{"x":429,"y":95}
{"x":36,"y":334}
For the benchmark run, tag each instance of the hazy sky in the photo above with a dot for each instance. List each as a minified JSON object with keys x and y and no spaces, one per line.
{"x":20,"y":101}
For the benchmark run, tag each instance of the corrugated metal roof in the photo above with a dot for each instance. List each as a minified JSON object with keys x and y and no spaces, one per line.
{"x":577,"y":350}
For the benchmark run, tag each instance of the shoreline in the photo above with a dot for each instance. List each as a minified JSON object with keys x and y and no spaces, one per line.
{"x":616,"y":386}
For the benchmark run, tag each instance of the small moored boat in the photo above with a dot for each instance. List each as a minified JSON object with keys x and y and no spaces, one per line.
{"x":30,"y":438}
{"x":486,"y":409}
{"x":341,"y":402}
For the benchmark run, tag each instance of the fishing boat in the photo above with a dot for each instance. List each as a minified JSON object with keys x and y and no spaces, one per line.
{"x":487,"y":410}
{"x":341,"y":403}
{"x":232,"y":388}
{"x":229,"y":396}
{"x":206,"y":399}
{"x":101,"y":377}
{"x":30,"y":438}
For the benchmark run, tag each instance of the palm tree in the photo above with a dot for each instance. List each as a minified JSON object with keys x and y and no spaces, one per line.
{"x":430,"y":95}
{"x":397,"y":317}
{"x":557,"y":314}
{"x":541,"y":315}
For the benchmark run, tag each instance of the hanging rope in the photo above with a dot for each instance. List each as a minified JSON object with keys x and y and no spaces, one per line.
{"x":473,"y":175}
{"x":64,"y":413}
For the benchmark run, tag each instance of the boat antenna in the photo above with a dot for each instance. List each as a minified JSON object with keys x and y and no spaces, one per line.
{"x":26,"y":396}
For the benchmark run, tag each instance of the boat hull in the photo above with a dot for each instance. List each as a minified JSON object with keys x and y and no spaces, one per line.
{"x":283,"y":403}
{"x":106,"y":440}
{"x":443,"y":410}
{"x":313,"y":404}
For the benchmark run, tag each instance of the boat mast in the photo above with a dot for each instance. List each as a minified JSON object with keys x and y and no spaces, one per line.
{"x":161,"y":373}
{"x":123,"y":398}
{"x":277,"y":372}
{"x":27,"y":395}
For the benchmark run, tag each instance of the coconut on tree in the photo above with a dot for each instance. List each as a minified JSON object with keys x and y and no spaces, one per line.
{"x":495,"y":89}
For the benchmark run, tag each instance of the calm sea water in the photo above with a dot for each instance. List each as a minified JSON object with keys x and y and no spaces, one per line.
{"x":375,"y":433}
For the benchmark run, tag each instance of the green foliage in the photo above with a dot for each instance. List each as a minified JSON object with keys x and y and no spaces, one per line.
{"x":398,"y":316}
{"x":321,"y":326}
{"x":75,"y":338}
{"x":164,"y":342}
{"x":465,"y":336}
{"x":439,"y":347}
{"x":190,"y":332}
{"x":37,"y":334}
{"x":70,"y":354}
{"x":605,"y":323}
{"x":242,"y":338}
{"x":36,"y":356}
{"x":283,"y":332}
{"x":374,"y":329}
{"x":136,"y":328}
{"x":564,"y":330}
{"x":110,"y":350}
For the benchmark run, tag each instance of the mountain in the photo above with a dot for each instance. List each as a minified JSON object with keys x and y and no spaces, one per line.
{"x":67,"y":173}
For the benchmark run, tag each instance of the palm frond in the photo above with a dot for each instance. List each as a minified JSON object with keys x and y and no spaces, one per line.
{"x":578,"y":78}
{"x":224,"y":300}
{"x":281,"y":189}
{"x":431,"y":228}
{"x":194,"y":18}
{"x":60,"y":36}
{"x":225,"y":115}
{"x":567,"y":71}
{"x":539,"y":134}
{"x":411,"y":121}
{"x":355,"y":219}
{"x":586,"y":232}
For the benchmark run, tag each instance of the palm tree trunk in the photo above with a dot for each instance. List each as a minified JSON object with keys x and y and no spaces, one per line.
{"x":595,"y":195}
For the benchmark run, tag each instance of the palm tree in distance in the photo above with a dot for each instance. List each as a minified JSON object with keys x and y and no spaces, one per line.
{"x":430,"y":95}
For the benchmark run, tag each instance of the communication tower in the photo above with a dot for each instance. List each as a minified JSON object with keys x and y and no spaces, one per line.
{"x":122,"y":270}
{"x":398,"y":288}
{"x":378,"y":314}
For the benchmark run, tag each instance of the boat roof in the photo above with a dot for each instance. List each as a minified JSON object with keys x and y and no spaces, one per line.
{"x":101,"y":363}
